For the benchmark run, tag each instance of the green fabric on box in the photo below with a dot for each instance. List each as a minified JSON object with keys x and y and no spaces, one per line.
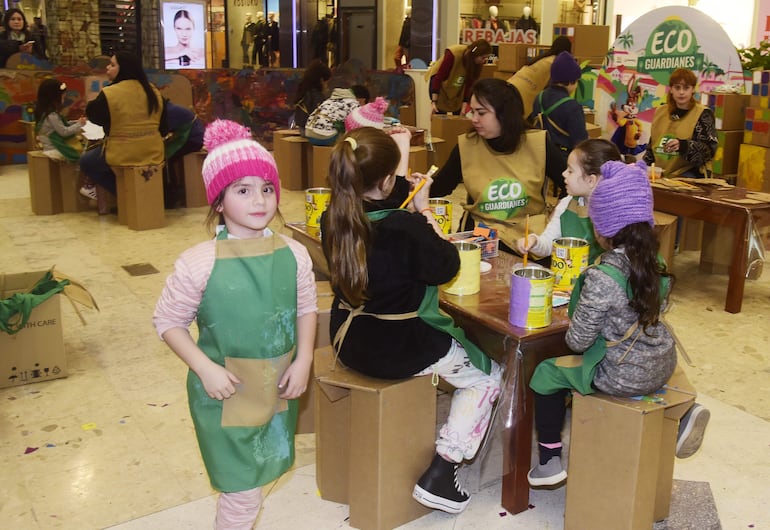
{"x":15,"y":310}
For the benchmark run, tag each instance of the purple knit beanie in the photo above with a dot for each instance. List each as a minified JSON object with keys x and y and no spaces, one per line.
{"x":565,"y":69}
{"x":622,"y":197}
{"x":233,"y":154}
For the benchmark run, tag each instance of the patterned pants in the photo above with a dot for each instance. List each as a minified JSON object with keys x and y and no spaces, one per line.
{"x":472,"y":403}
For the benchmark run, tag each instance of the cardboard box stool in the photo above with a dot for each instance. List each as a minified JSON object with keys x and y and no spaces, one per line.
{"x":374,"y":439}
{"x":294,"y":159}
{"x":54,"y":185}
{"x":621,"y":457}
{"x":140,"y":196}
{"x":194,"y":189}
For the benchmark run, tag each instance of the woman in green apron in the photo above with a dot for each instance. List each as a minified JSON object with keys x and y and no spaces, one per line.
{"x":387,"y":264}
{"x":570,"y":217}
{"x":615,"y":317}
{"x":253,"y":295}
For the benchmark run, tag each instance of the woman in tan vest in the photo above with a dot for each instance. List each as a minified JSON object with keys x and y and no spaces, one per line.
{"x":131,"y":112}
{"x":452,"y":77}
{"x":683,"y":138}
{"x":501,"y":162}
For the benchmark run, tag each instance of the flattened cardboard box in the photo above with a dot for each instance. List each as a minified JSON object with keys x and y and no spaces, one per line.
{"x":374,"y":438}
{"x":621,"y":459}
{"x":36,"y":353}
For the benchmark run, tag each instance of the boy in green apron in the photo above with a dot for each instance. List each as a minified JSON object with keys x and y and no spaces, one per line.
{"x":253,"y":295}
{"x":615,"y":321}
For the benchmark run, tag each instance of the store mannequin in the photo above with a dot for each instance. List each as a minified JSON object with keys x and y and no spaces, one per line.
{"x":274,"y":34}
{"x":260,"y":41}
{"x":526,"y":22}
{"x":404,"y":41}
{"x":249,"y":30}
{"x":492,"y":22}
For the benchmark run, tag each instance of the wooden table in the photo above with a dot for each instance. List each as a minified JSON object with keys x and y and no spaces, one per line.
{"x":484,"y":317}
{"x":726,"y":206}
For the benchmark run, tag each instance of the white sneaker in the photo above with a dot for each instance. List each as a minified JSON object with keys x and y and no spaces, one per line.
{"x":88,"y":192}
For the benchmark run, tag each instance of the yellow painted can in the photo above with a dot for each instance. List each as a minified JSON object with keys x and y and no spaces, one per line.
{"x":442,"y":213}
{"x":568,"y":259}
{"x":316,"y":201}
{"x":468,"y":278}
{"x":531,"y":303}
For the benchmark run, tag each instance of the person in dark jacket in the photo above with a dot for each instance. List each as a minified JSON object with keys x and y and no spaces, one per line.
{"x":17,"y":37}
{"x":387,"y":264}
{"x":311,"y":92}
{"x":185,"y":135}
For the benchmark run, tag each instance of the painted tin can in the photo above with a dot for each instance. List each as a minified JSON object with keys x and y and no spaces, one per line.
{"x":442,"y":213}
{"x":468,"y":278}
{"x":531,"y":297}
{"x":568,"y":259}
{"x":316,"y":201}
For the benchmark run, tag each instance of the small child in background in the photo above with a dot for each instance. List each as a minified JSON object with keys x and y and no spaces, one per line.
{"x":387,"y":264}
{"x":253,"y":295}
{"x":615,"y":321}
{"x":59,"y":137}
{"x":570,"y":217}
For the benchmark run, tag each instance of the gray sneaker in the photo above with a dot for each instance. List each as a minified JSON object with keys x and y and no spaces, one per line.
{"x":549,"y":474}
{"x":692,"y":426}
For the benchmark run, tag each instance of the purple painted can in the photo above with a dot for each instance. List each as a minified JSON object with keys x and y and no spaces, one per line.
{"x":531,"y":301}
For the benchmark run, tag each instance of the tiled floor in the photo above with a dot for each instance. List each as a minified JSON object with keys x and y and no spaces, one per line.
{"x":115,"y":442}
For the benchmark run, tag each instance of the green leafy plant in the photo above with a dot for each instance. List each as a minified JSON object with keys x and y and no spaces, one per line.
{"x":756,"y":58}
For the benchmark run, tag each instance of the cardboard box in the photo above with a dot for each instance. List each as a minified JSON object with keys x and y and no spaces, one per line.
{"x":594,"y":130}
{"x":726,"y":158}
{"x":140,"y":196}
{"x":587,"y":40}
{"x":729,"y":109}
{"x":754,"y":167}
{"x":293,"y":159}
{"x":407,"y":115}
{"x":665,"y":228}
{"x":448,"y":128}
{"x":374,"y":439}
{"x":194,"y":188}
{"x":511,"y":56}
{"x":54,"y":185}
{"x":319,"y":177}
{"x":36,"y":353}
{"x":418,"y":159}
{"x":757,"y":127}
{"x":690,"y":234}
{"x":716,"y":249}
{"x":306,"y":418}
{"x":624,"y":486}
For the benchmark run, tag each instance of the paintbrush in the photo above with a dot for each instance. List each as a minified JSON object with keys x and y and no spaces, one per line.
{"x":419,"y":186}
{"x":526,"y":241}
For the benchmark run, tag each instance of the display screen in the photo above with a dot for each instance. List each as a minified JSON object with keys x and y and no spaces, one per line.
{"x":184,"y":35}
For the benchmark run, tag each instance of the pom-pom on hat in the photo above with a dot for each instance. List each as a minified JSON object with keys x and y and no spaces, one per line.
{"x":565,"y":69}
{"x":233,"y":154}
{"x":622,"y":197}
{"x":370,"y":115}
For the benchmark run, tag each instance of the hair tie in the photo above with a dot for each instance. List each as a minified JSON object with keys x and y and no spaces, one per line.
{"x":63,"y":86}
{"x":352,"y":142}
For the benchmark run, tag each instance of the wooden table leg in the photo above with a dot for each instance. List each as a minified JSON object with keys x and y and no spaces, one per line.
{"x":737,"y":278}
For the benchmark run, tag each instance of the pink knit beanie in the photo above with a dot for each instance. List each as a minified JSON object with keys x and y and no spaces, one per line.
{"x":623,"y":196}
{"x":370,"y":115}
{"x":233,"y":154}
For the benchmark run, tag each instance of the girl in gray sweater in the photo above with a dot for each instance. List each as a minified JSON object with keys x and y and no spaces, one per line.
{"x":615,"y":320}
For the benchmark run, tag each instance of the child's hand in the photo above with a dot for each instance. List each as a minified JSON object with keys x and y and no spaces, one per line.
{"x":26,"y":47}
{"x":420,"y":201}
{"x":522,"y":246}
{"x":294,"y":381}
{"x":218,"y":381}
{"x":82,"y":120}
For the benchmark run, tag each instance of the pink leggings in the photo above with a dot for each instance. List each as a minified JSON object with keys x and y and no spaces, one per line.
{"x":238,"y":510}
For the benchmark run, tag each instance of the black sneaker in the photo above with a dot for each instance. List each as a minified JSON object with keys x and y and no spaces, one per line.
{"x":692,"y":426}
{"x":439,"y":489}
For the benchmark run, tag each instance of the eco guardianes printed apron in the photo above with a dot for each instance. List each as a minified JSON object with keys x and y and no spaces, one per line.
{"x":247,"y":322}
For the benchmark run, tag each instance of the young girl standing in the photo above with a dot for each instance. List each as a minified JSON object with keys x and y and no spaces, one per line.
{"x":386,"y":264}
{"x":58,"y":136}
{"x":570,"y":217}
{"x":615,"y":320}
{"x":253,"y":295}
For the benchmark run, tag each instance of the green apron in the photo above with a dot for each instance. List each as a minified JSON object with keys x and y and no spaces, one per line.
{"x":577,"y":371}
{"x":429,"y":312}
{"x":248,"y":311}
{"x":174,"y":143}
{"x":575,"y":222}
